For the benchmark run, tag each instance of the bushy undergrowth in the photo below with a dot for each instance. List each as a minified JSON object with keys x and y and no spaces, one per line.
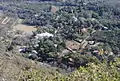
{"x":92,"y":72}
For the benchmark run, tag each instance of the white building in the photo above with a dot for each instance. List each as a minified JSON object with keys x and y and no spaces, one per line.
{"x":42,"y":35}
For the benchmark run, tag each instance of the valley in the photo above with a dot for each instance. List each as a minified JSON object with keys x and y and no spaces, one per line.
{"x":59,"y":40}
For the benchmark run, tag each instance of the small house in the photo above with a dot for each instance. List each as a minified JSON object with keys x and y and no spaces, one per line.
{"x":72,"y":45}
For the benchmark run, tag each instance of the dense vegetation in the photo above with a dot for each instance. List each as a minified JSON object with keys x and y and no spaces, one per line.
{"x":100,"y":20}
{"x":78,"y":23}
{"x":68,"y":23}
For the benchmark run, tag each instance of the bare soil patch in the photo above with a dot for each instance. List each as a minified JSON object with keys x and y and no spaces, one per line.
{"x":25,"y":28}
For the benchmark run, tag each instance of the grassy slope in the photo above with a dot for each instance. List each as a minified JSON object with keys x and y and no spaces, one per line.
{"x":13,"y":65}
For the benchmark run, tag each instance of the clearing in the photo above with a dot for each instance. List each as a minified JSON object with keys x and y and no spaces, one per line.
{"x":25,"y":28}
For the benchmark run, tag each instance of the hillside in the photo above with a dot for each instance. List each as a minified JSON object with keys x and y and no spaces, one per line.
{"x":59,"y":40}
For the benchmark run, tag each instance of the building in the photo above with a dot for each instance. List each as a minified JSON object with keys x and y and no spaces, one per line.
{"x":42,"y":35}
{"x":72,"y":45}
